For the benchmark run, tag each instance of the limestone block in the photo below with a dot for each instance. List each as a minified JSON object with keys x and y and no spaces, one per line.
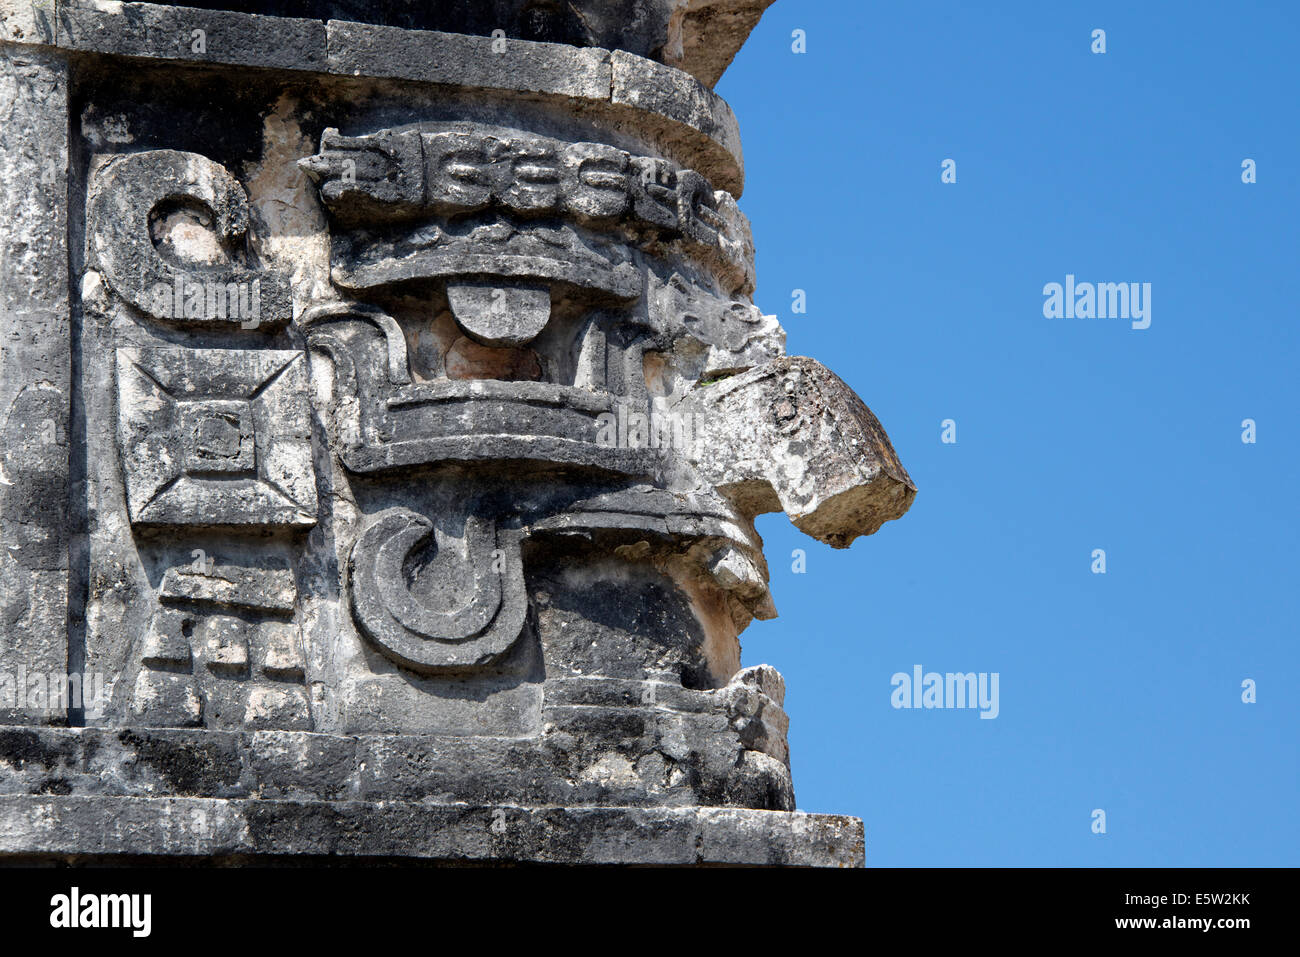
{"x":37,"y":515}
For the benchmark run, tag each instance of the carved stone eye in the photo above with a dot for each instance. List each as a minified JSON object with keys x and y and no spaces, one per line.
{"x":183,"y":232}
{"x":784,"y":414}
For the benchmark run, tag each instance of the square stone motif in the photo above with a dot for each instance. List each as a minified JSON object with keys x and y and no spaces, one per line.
{"x":218,"y":435}
{"x":215,"y":436}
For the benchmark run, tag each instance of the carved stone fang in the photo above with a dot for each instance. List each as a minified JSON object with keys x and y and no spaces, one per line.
{"x":500,"y":314}
{"x":412,"y":629}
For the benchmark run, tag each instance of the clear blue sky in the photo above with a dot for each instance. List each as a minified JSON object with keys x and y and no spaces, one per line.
{"x":1119,"y":691}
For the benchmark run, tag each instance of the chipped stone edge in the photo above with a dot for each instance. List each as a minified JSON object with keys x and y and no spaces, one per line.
{"x":39,"y":826}
{"x":691,"y":118}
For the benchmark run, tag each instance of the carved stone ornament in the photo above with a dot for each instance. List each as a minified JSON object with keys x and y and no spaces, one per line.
{"x":429,"y":630}
{"x":387,"y":413}
{"x":215,"y":437}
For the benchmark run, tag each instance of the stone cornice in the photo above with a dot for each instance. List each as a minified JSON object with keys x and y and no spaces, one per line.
{"x":686,"y":119}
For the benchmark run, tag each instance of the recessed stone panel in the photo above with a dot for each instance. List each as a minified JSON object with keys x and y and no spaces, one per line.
{"x":215,"y":437}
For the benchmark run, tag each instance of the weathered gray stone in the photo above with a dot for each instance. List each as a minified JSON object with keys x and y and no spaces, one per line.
{"x":167,"y":261}
{"x":423,"y":415}
{"x":36,"y":522}
{"x":415,"y":631}
{"x":669,"y":106}
{"x":677,"y":95}
{"x":90,"y":830}
{"x":449,"y":58}
{"x":636,"y":755}
{"x":698,"y":36}
{"x":27,"y":21}
{"x":202,"y":581}
{"x":186,"y":33}
{"x":759,"y":428}
{"x":164,"y":700}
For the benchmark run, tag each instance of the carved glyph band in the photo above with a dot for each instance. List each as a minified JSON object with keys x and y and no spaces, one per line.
{"x":399,"y":174}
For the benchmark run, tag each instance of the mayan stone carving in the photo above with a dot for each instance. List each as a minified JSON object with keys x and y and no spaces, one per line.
{"x":386,"y":412}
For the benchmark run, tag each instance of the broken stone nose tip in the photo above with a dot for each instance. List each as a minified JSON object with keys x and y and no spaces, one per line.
{"x":314,"y":166}
{"x":860,"y":510}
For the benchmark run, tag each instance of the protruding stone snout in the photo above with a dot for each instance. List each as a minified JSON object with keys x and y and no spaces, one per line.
{"x":790,"y":436}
